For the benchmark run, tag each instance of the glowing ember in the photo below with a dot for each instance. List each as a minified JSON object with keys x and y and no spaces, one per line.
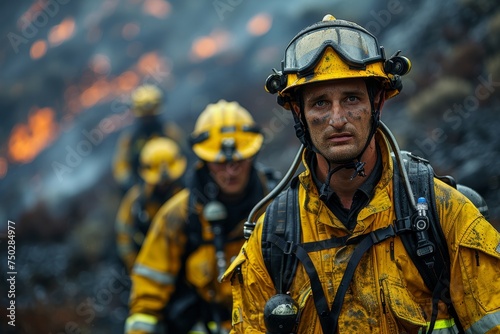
{"x":38,"y":49}
{"x":259,"y":24}
{"x":127,"y":81}
{"x":4,"y":166}
{"x":100,"y":64}
{"x":204,"y":47}
{"x":157,"y":8}
{"x":62,"y":32}
{"x":151,"y":64}
{"x":130,"y":30}
{"x":207,"y":46}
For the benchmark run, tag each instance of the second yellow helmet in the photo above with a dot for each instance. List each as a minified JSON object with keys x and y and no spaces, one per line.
{"x":225,"y":131}
{"x":161,"y":160}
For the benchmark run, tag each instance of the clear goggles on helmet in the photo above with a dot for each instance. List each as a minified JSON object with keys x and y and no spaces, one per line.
{"x":355,"y":46}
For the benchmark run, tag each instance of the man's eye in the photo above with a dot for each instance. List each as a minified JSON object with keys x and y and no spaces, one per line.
{"x":352,"y":99}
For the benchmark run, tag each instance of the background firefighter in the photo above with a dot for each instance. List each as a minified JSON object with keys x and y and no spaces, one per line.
{"x":161,"y":167}
{"x":147,"y":102}
{"x":197,"y":233}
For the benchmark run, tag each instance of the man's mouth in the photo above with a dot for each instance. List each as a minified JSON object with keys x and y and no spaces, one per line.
{"x":340,"y":137}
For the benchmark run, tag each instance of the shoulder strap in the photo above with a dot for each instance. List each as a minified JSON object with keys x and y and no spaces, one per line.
{"x":282,"y":219}
{"x":192,"y":227}
{"x":420,"y":175}
{"x":433,"y":266}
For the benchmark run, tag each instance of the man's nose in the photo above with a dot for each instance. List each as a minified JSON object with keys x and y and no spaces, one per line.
{"x":232,"y":167}
{"x":337,"y":116}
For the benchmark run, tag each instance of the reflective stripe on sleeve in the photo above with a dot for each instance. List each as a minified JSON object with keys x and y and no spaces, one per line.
{"x":152,"y":274}
{"x":444,"y":326}
{"x":485,"y":324}
{"x":141,"y":322}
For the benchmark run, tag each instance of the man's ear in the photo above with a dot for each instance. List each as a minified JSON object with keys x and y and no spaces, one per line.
{"x":295,"y":108}
{"x":379,"y":100}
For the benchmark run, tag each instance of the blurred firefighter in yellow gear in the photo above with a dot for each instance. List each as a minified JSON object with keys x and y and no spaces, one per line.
{"x":147,"y":107}
{"x":161,"y":167}
{"x":197,"y":233}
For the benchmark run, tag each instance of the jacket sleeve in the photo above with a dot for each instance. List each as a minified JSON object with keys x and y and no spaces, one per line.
{"x":474,"y":246}
{"x":251,"y":286}
{"x":156,"y":268}
{"x":124,"y":229}
{"x":121,"y":166}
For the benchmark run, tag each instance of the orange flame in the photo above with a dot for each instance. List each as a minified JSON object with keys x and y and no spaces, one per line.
{"x":27,"y":140}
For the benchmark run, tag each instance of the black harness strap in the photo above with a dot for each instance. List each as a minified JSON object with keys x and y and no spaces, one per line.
{"x":329,"y":317}
{"x":433,"y":268}
{"x":366,"y":243}
{"x":316,"y":246}
{"x":420,"y":181}
{"x":283,"y":209}
{"x":320,"y":300}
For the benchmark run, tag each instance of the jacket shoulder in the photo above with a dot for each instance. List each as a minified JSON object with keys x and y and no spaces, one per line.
{"x":173,"y":213}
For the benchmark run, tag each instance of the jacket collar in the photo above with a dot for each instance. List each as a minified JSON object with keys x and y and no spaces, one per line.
{"x":382,"y":193}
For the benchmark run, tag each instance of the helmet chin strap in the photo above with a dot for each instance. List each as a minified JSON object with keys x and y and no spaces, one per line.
{"x":356,"y":164}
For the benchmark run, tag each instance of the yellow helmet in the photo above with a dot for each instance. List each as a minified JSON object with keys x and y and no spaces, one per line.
{"x":161,"y":160}
{"x":225,"y":131}
{"x":335,"y":49}
{"x":146,"y":100}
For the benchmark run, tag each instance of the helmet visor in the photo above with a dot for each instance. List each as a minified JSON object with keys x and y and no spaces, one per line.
{"x":356,"y":47}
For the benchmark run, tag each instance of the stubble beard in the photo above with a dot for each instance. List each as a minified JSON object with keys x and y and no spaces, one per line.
{"x":339,"y":158}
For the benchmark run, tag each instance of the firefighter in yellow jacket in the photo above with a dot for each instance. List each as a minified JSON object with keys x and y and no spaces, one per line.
{"x":146,"y":104}
{"x":335,"y":79}
{"x":161,"y":167}
{"x":197,"y":233}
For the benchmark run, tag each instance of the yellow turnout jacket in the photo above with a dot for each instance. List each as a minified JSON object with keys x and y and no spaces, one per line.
{"x":386,"y":294}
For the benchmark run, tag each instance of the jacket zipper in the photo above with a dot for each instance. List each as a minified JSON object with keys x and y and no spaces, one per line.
{"x":382,"y":298}
{"x":392,"y":250}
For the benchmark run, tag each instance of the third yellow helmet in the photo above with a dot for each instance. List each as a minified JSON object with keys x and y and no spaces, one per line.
{"x":146,"y":100}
